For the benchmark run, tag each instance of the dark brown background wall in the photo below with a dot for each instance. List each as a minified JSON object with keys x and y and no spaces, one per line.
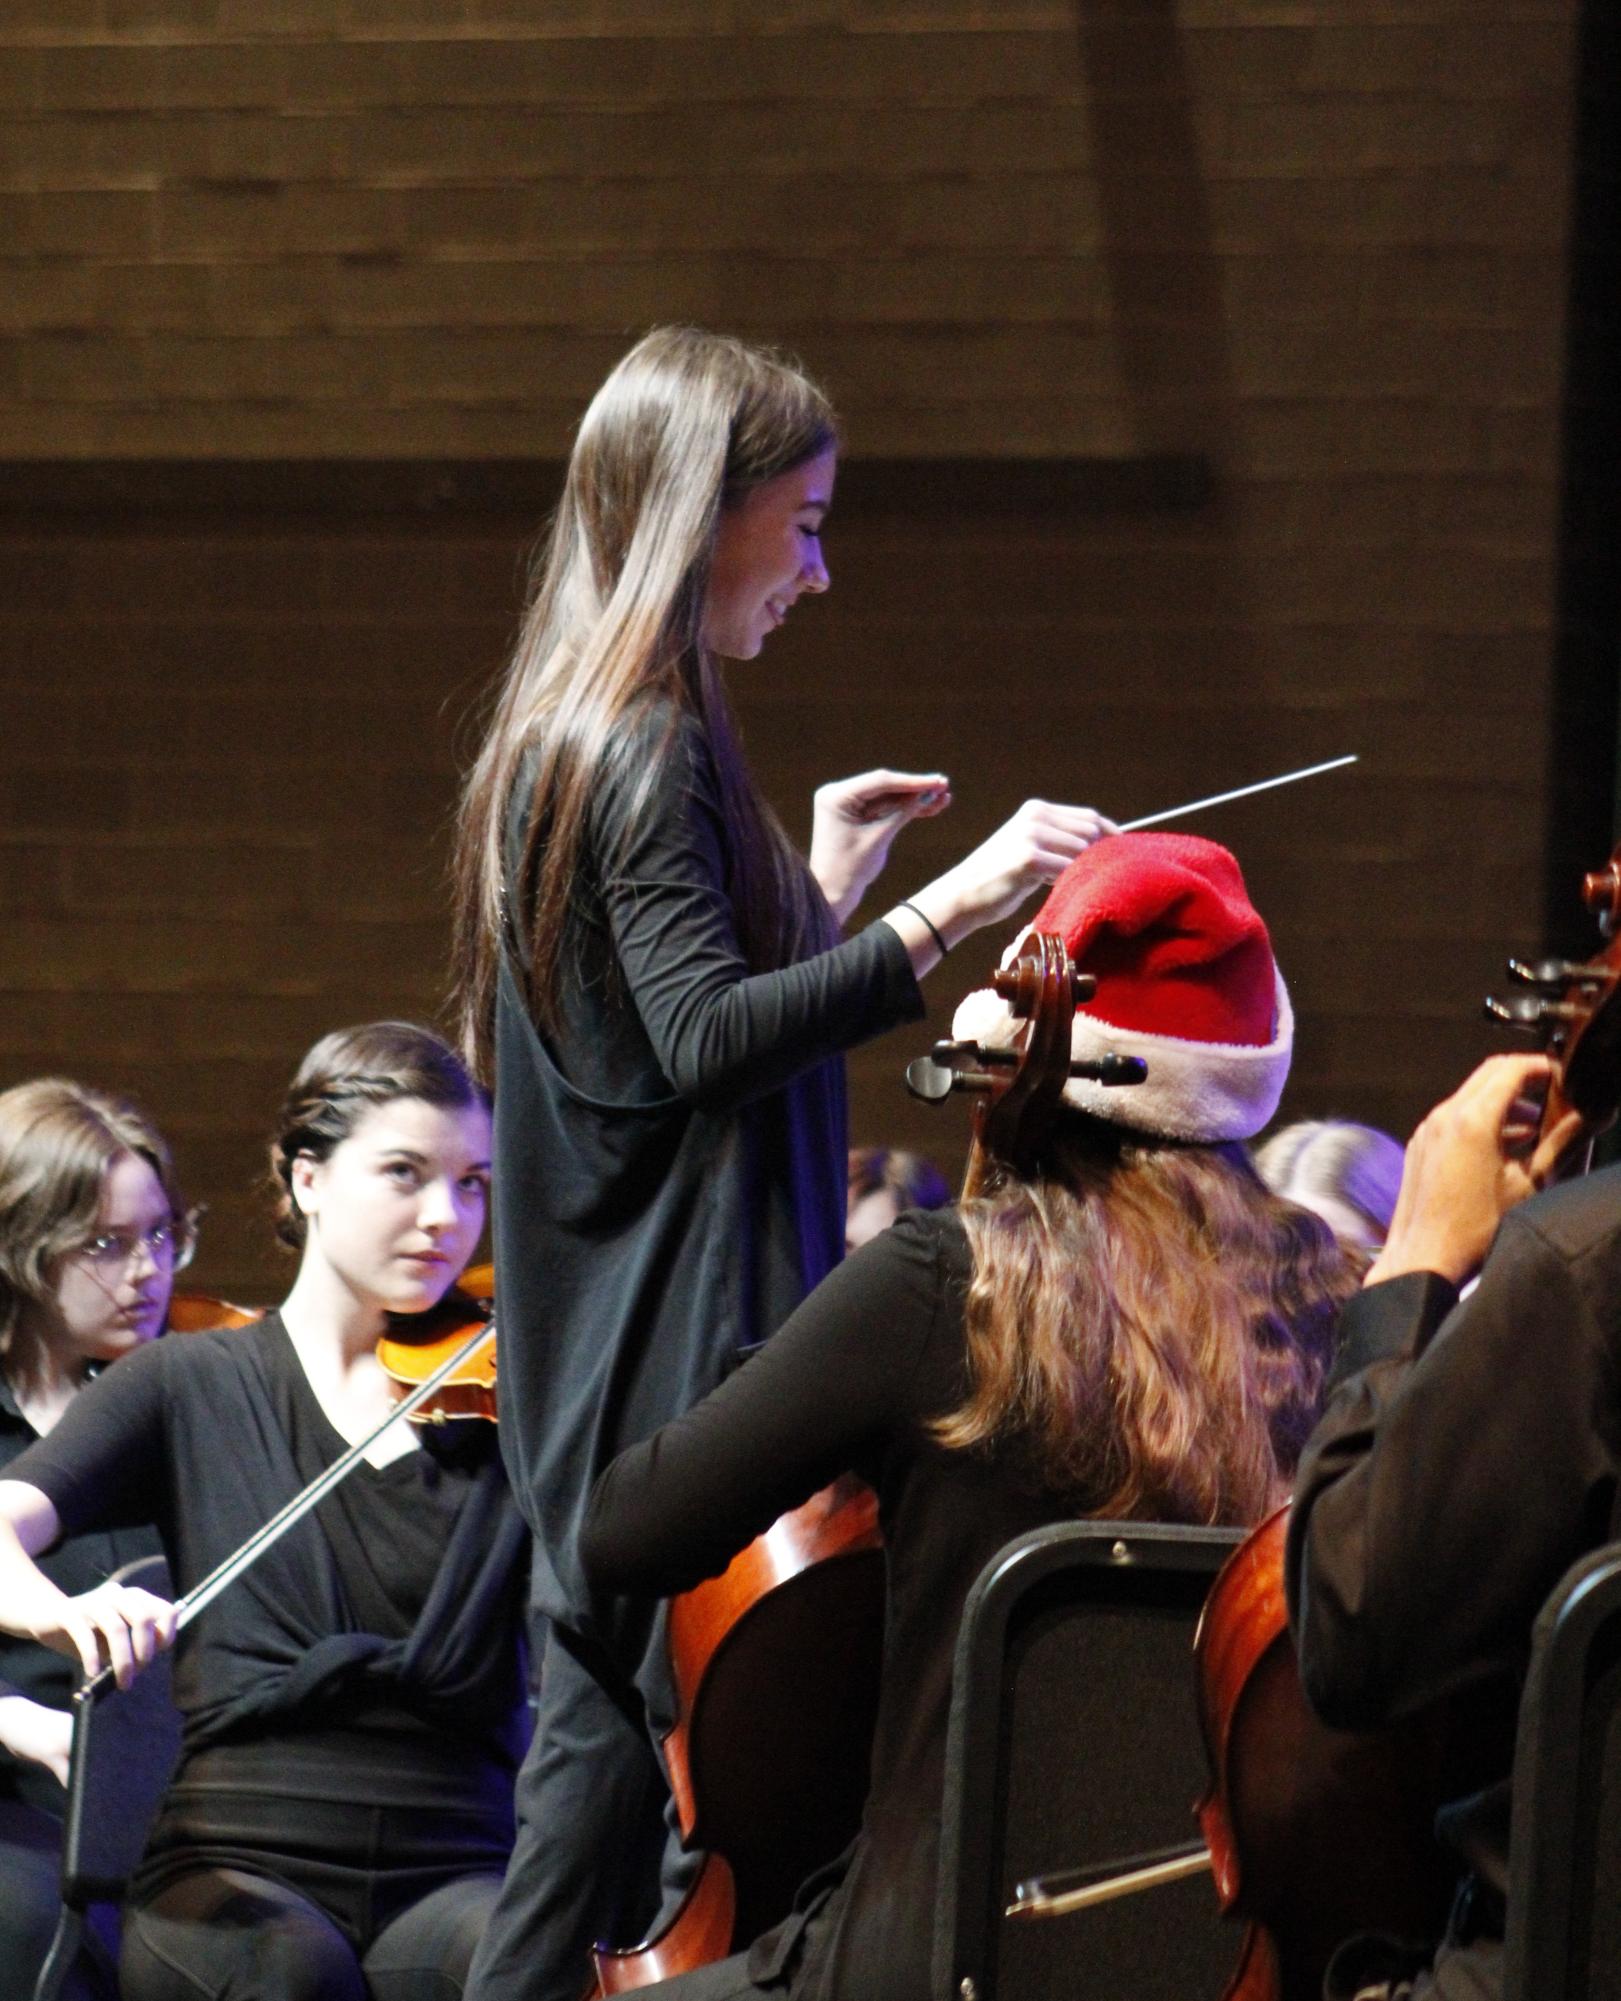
{"x":1247,"y":323}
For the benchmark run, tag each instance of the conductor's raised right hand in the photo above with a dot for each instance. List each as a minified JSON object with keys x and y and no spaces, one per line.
{"x":1027,"y":852}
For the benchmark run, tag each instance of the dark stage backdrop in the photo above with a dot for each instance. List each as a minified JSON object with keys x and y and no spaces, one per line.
{"x":1204,"y":367}
{"x":234,"y":732}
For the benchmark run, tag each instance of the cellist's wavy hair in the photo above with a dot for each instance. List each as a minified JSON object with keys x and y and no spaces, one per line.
{"x":686,"y":424}
{"x":342,"y":1078}
{"x":58,"y":1139}
{"x":1151,"y":1324}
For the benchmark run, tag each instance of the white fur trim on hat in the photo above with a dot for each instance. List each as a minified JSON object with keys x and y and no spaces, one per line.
{"x":1200,"y":1091}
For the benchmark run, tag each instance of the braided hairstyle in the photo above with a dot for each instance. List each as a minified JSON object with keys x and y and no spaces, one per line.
{"x":340,"y":1080}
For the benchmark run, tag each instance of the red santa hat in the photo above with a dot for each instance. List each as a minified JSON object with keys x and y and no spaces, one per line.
{"x":1185,"y":979}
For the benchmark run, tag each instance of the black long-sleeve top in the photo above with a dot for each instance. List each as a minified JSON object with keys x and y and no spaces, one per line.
{"x":851,"y":1382}
{"x":1468,"y":1455}
{"x":379,"y":1644}
{"x":670,"y":1169}
{"x":78,"y":1564}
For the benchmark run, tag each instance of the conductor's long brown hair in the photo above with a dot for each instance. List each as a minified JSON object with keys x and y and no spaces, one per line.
{"x":685,"y":425}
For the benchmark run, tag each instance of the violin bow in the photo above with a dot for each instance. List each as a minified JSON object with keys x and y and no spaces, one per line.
{"x":241,"y":1560}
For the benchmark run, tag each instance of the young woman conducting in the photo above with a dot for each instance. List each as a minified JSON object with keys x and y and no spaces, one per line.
{"x":353,"y":1706}
{"x":660,"y":986}
{"x":92,"y":1231}
{"x":1139,"y":1329}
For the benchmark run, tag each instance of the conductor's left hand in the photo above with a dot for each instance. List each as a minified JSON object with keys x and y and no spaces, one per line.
{"x":856,"y":820}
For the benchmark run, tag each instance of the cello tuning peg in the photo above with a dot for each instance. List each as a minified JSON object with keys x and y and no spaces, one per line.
{"x":1531,"y":1011}
{"x":930,"y":1081}
{"x":955,"y":1066}
{"x":1112,"y":1071}
{"x":1552,"y":975}
{"x":1519,"y":1010}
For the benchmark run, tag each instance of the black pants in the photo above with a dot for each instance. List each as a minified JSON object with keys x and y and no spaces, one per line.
{"x":268,"y":1899}
{"x":227,"y":1932}
{"x":591,"y":1802}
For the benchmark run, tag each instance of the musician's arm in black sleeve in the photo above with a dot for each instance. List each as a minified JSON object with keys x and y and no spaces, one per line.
{"x":1458,"y":1470}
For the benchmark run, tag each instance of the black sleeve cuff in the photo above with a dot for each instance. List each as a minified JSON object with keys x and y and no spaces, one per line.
{"x":1392,"y":1321}
{"x":903,"y":997}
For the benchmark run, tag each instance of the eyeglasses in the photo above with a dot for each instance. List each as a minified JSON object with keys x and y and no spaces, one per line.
{"x":169,"y":1243}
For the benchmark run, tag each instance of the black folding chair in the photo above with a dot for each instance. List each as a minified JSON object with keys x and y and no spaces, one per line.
{"x":125,"y":1744}
{"x":1075,"y":1747}
{"x":1564,"y":1893}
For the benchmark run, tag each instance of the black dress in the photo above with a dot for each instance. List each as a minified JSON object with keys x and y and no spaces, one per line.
{"x":669,"y":1184}
{"x":670,"y":1172}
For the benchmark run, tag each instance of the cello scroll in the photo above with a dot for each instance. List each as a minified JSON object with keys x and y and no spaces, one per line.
{"x":1575,"y":1007}
{"x":1022,"y":1088}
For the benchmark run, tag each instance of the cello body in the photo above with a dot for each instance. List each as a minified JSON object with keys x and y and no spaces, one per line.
{"x":776,"y":1666}
{"x":1314,"y":1834}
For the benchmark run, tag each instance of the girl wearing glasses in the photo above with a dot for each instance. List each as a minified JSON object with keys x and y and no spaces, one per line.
{"x":352,"y":1708}
{"x":92,"y":1231}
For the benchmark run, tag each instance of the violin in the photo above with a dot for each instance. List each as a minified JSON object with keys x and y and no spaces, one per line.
{"x":413,"y":1348}
{"x":419,"y":1344}
{"x":197,"y":1312}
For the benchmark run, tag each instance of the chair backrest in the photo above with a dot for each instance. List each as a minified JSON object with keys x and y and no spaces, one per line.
{"x":1564,"y":1900}
{"x":125,"y":1745}
{"x":1075,"y":1743}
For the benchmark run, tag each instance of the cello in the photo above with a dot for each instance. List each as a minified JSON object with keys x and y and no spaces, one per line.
{"x":1314,"y":1834}
{"x":798,"y":1613}
{"x":1304,"y":1823}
